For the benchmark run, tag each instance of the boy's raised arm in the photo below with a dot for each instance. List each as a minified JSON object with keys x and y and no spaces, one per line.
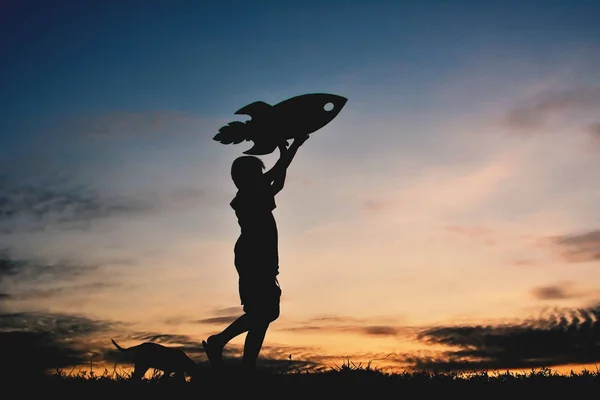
{"x":276,"y":175}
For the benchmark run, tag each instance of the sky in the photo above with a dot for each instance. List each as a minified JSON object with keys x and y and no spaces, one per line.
{"x":446,"y":219}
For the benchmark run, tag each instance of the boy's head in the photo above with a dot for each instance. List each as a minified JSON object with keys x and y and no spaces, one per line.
{"x":246,"y":171}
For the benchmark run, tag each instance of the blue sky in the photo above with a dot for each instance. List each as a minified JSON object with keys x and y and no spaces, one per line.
{"x":457,"y":185}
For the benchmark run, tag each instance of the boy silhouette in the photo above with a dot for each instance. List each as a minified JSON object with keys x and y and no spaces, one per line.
{"x":256,"y":253}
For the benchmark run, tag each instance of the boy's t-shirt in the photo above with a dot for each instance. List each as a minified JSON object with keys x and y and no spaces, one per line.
{"x":256,"y":250}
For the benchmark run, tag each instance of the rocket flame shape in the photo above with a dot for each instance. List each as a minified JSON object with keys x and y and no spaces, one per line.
{"x":273,"y":125}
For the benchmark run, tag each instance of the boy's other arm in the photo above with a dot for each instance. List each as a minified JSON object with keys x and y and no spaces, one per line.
{"x":276,"y":175}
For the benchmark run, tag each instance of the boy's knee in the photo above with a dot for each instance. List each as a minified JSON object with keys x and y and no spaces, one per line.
{"x":273,"y":315}
{"x":269,"y":316}
{"x":264,"y":316}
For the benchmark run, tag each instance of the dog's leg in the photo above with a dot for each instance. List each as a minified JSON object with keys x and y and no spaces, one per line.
{"x":166,"y":376}
{"x":180,"y":376}
{"x":139,"y":371}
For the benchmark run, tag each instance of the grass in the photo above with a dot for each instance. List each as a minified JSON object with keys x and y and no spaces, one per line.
{"x":345,"y":380}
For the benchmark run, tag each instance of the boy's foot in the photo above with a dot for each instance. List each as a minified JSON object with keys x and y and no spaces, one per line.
{"x":213,"y":351}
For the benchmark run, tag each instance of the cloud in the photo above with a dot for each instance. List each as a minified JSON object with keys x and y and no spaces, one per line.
{"x":322,"y":324}
{"x":375,"y":205}
{"x":53,"y":293}
{"x":338,"y":324}
{"x":289,"y":358}
{"x":8,"y":266}
{"x":218,"y":320}
{"x":526,"y":263}
{"x":33,"y":343}
{"x":132,"y":124}
{"x":486,"y":235}
{"x":581,"y":247}
{"x":379,"y":330}
{"x":595,"y":130}
{"x":161,"y":337}
{"x":186,"y":194}
{"x":21,"y":270}
{"x":226,"y":311}
{"x":62,"y":326}
{"x":34,"y":206}
{"x":366,"y":330}
{"x":557,"y":291}
{"x":569,"y":337}
{"x":543,"y":108}
{"x":22,"y":279}
{"x":221,"y":316}
{"x":578,"y":107}
{"x":34,"y":353}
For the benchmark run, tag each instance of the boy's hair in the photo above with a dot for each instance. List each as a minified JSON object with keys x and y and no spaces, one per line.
{"x":244,"y":165}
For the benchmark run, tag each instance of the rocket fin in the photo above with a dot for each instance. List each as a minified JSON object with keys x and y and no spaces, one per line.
{"x":252,"y":109}
{"x":260,"y":149}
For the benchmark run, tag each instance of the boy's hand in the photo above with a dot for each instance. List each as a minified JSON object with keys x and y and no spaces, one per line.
{"x":283,"y":147}
{"x":299,"y":141}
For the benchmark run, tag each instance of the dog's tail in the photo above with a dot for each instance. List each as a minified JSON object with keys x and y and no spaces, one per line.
{"x":117,"y":346}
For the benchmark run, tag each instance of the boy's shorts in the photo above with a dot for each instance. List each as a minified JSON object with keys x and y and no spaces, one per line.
{"x":260,"y":297}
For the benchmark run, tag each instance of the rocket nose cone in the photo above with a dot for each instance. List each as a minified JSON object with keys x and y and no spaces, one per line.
{"x":334,"y":103}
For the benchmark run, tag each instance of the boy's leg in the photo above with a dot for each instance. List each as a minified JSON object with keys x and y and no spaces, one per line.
{"x":263,"y":310}
{"x":253,"y":344}
{"x":213,"y":346}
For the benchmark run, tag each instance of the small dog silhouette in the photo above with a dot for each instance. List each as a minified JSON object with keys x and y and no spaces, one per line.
{"x":153,"y":355}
